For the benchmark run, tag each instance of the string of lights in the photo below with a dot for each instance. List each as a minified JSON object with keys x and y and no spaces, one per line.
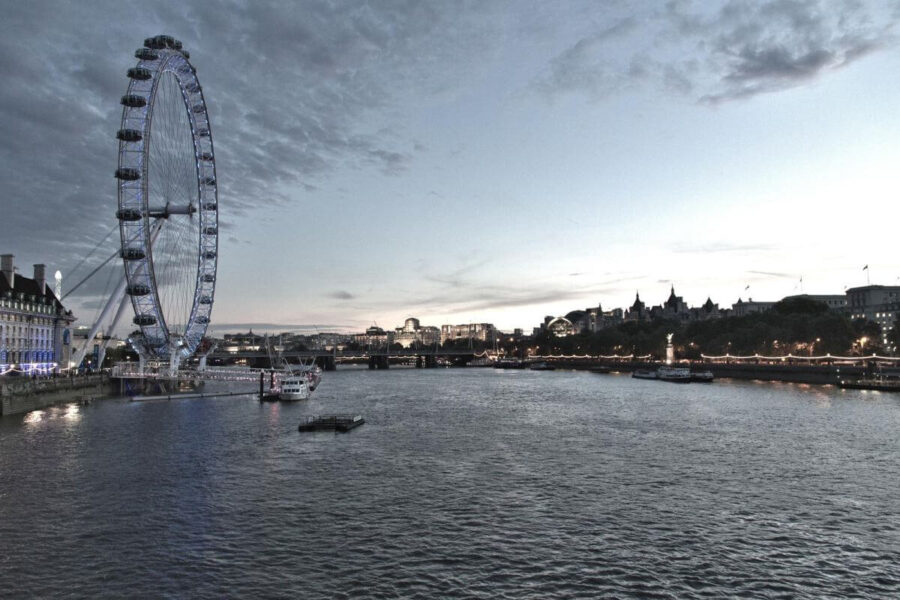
{"x":796,"y":357}
{"x":597,"y":356}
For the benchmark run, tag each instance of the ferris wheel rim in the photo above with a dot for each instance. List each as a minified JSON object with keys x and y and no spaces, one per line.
{"x":163,"y":59}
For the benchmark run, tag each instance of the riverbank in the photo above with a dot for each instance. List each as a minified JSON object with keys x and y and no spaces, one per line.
{"x":22,"y":394}
{"x":791,"y":373}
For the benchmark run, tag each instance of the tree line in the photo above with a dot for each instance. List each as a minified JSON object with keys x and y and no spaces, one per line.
{"x":797,"y":326}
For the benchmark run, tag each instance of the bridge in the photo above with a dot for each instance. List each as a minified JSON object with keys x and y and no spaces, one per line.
{"x":378,"y":358}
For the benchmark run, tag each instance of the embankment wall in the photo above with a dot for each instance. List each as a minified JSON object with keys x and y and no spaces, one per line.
{"x":22,"y":394}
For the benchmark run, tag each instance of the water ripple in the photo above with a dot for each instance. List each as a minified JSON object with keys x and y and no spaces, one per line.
{"x":462,"y":484}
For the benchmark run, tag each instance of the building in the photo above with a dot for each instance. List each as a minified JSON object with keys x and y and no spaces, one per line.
{"x":96,"y":348}
{"x":638,"y":311}
{"x":483,"y":332}
{"x":242,"y":342}
{"x":35,"y":328}
{"x":558,"y":326}
{"x":374,"y":337}
{"x":742,"y":309}
{"x":709,"y":310}
{"x":673,"y":308}
{"x":879,"y":303}
{"x":836,"y":302}
{"x":327,"y":341}
{"x":414,"y":334}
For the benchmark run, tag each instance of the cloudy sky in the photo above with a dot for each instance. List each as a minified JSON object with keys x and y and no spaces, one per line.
{"x":485,"y":161}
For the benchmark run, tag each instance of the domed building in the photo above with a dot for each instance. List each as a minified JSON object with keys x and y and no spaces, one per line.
{"x":560,"y":327}
{"x":414,"y":334}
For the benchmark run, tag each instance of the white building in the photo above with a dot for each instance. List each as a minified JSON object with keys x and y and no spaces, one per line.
{"x":414,"y":334}
{"x":484,"y":332}
{"x":35,"y":333}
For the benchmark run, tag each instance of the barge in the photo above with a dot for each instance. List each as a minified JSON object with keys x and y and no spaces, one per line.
{"x":340,"y":423}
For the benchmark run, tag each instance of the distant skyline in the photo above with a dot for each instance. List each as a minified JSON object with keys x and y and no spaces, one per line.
{"x":478,"y":162}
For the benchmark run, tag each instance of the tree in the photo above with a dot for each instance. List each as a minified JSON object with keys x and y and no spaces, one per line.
{"x":800,"y":305}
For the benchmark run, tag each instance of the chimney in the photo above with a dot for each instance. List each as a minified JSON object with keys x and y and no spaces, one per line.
{"x":6,"y":265}
{"x":40,"y":278}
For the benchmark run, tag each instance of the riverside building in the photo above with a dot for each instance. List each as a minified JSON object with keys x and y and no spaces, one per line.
{"x":482,"y":332}
{"x":879,"y":303}
{"x":35,"y":335}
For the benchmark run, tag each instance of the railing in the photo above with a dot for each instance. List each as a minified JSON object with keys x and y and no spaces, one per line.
{"x":129,"y":370}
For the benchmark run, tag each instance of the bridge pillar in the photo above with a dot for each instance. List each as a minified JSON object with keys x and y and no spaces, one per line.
{"x":383,"y":362}
{"x":327,"y":363}
{"x":418,"y":362}
{"x":371,"y":362}
{"x":430,"y":361}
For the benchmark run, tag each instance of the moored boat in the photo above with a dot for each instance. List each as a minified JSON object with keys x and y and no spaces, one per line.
{"x":674,"y":374}
{"x":702,"y":376}
{"x":510,"y":363}
{"x":876,"y":384}
{"x":542,"y":366}
{"x":294,"y":387}
{"x":300,"y":385}
{"x":643,"y":374}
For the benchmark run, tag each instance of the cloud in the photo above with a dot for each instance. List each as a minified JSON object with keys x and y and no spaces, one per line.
{"x":774,"y":274}
{"x":464,"y":295}
{"x":582,"y":67}
{"x":777,"y":45}
{"x":341,"y":295}
{"x":262,"y":327}
{"x":719,"y":247}
{"x":295,"y":93}
{"x":720,"y":52}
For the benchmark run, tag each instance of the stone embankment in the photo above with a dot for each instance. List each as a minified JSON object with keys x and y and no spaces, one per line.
{"x":23,"y":394}
{"x":795,"y":373}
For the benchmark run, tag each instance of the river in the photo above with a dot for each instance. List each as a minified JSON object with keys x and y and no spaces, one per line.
{"x":463,"y":483}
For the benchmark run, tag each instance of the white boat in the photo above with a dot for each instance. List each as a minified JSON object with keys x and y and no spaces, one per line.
{"x":299,"y":385}
{"x":293,"y":384}
{"x":294,"y":387}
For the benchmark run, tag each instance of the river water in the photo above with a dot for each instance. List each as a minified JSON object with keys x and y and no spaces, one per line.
{"x":463,"y":483}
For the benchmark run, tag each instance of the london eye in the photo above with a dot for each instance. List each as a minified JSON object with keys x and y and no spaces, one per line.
{"x":167,"y":201}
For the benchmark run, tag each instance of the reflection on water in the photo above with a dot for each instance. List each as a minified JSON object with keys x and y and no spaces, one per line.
{"x":462,"y":483}
{"x":35,"y":416}
{"x":72,"y":412}
{"x":69,"y":412}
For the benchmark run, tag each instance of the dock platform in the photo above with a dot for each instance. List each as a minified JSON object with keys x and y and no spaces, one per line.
{"x":340,"y":423}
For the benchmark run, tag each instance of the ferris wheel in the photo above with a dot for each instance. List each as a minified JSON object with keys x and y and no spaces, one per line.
{"x":167,"y":201}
